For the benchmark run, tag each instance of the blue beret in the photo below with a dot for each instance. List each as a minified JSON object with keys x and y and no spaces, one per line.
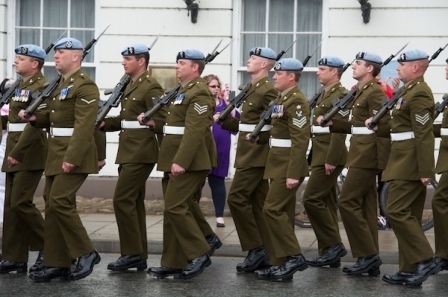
{"x":412,"y":55}
{"x":264,"y":52}
{"x":369,"y":57}
{"x":135,"y":49}
{"x":288,"y":64}
{"x":31,"y":50}
{"x":190,"y":54}
{"x":69,"y":44}
{"x":331,"y":61}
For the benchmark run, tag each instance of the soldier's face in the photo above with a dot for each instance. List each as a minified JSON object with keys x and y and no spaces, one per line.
{"x":254,"y":64}
{"x":63,"y":60}
{"x":359,"y":69}
{"x":130,"y":65}
{"x":404,"y":70}
{"x":184,"y":69}
{"x":24,"y":65}
{"x":324,"y":74}
{"x":281,"y":80}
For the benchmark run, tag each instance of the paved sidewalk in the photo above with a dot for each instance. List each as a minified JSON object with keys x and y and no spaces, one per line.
{"x":103,"y":231}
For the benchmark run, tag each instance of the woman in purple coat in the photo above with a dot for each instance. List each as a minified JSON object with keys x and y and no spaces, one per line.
{"x":216,"y":177}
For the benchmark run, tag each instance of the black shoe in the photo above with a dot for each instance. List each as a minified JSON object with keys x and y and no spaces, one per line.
{"x":39,"y":264}
{"x":398,"y":278}
{"x":214,"y":243}
{"x":162,"y":272}
{"x":255,"y":258}
{"x":220,"y":225}
{"x":127,"y":262}
{"x":443,"y":263}
{"x":291,"y":266}
{"x":49,"y":273}
{"x":9,"y":266}
{"x":365,"y":265}
{"x":332,"y":257}
{"x":85,"y":264}
{"x":422,"y":271}
{"x":265,"y":274}
{"x":196,"y":266}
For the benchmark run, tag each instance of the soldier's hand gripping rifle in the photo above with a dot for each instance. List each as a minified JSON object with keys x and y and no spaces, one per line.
{"x":235,"y":102}
{"x":440,"y":106}
{"x":115,"y":95}
{"x":39,"y":97}
{"x":389,"y":104}
{"x":265,"y":117}
{"x":169,"y":96}
{"x":313,"y":101}
{"x":350,"y":96}
{"x":11,"y":90}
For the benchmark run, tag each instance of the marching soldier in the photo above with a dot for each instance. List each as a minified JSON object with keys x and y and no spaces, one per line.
{"x":248,"y":191}
{"x":440,"y":199}
{"x":138,"y":150}
{"x":71,"y":156}
{"x":410,"y":169}
{"x":23,"y":227}
{"x":358,"y":198}
{"x":286,"y":167}
{"x":328,"y":160}
{"x":186,"y":156}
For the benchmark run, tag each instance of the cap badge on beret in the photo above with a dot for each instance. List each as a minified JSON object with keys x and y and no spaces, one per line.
{"x":24,"y":50}
{"x":258,"y":51}
{"x":278,"y":66}
{"x":324,"y":61}
{"x":68,"y":44}
{"x":131,"y":50}
{"x":181,"y":55}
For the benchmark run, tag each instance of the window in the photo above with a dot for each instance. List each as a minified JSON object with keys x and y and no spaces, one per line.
{"x":276,"y":24}
{"x":41,"y":22}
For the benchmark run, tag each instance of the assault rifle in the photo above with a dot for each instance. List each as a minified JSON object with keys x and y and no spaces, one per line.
{"x":350,"y":96}
{"x":440,"y":106}
{"x":389,"y":104}
{"x":235,"y":102}
{"x":116,"y":95}
{"x":169,"y":96}
{"x":11,"y":89}
{"x":265,"y":117}
{"x":39,"y":97}
{"x":313,"y":101}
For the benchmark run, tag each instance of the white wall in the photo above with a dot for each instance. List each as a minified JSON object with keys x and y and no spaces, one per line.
{"x":392,"y":24}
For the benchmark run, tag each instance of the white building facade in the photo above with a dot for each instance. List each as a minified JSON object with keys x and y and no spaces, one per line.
{"x":335,"y":27}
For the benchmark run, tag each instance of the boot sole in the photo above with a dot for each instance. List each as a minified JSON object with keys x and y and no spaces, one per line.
{"x":289,"y":276}
{"x":367,"y":269}
{"x":139,"y":267}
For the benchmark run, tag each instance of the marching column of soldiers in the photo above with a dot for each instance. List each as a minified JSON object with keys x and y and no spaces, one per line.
{"x":269,"y":167}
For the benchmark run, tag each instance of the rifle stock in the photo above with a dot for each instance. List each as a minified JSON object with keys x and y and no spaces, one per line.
{"x":265,"y":118}
{"x":114,"y":99}
{"x":234,"y":102}
{"x":163,"y":100}
{"x":440,"y":106}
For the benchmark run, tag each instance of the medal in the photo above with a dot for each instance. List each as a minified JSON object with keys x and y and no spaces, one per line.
{"x":63,"y":93}
{"x":399,"y":103}
{"x":21,"y":95}
{"x":179,"y":99}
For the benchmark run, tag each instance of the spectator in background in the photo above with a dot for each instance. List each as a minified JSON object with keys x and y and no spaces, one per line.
{"x":216,"y":177}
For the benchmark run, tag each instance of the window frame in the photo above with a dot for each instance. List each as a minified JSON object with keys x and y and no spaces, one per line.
{"x":236,"y":47}
{"x":12,"y":43}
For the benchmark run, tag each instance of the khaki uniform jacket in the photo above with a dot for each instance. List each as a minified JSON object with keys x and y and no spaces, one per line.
{"x":365,"y":152}
{"x":77,"y":109}
{"x":329,"y":148}
{"x":257,"y":100}
{"x":442,"y":160}
{"x":30,"y":150}
{"x":193,"y":109}
{"x":294,"y":124}
{"x":413,"y":159}
{"x":138,"y":145}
